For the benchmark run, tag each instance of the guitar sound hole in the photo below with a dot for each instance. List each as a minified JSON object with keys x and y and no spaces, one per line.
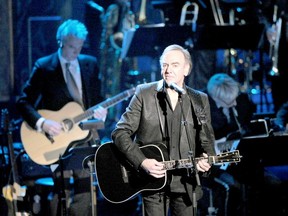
{"x":67,"y":124}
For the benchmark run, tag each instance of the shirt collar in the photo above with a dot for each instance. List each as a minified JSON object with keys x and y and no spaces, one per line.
{"x":64,"y":61}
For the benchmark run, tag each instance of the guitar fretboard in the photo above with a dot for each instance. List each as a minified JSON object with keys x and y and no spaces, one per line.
{"x":230,"y":157}
{"x":177,"y":164}
{"x":105,"y":104}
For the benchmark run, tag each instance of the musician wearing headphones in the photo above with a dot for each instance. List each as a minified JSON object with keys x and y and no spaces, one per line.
{"x":50,"y":87}
{"x":231,"y":112}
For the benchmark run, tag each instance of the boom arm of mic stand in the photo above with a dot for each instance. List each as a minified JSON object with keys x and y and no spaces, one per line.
{"x":62,"y":208}
{"x":92,"y":189}
{"x":93,"y":125}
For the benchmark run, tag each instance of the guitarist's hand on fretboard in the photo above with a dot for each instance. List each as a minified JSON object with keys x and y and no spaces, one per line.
{"x":100,"y":113}
{"x":153,"y":168}
{"x":51,"y":127}
{"x":203,"y":165}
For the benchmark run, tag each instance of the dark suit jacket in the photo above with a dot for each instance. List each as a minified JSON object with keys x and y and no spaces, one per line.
{"x":145,"y":119}
{"x":222,"y":128}
{"x":46,"y":87}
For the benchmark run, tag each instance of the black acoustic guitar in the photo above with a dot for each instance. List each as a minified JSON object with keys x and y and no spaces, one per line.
{"x":118,"y":181}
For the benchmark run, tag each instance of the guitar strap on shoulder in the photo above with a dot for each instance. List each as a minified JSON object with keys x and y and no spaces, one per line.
{"x":198,"y":106}
{"x":199,"y":111}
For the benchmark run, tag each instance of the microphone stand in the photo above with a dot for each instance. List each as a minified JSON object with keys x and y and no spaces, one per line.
{"x":93,"y":126}
{"x":62,"y":208}
{"x":191,"y":158}
{"x":92,"y":188}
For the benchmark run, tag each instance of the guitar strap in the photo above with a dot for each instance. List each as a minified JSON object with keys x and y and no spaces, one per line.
{"x":200,"y":121}
{"x":198,"y":108}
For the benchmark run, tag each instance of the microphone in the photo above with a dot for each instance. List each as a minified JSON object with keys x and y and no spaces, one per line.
{"x":91,"y":124}
{"x":177,"y":88}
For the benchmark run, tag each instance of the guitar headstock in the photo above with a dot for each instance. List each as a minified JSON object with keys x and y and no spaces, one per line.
{"x":227,"y":157}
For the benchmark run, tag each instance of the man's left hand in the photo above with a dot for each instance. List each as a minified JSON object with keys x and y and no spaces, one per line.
{"x":203,"y":165}
{"x":100,"y":113}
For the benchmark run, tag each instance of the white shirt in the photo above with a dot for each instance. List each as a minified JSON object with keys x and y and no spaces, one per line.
{"x":74,"y":69}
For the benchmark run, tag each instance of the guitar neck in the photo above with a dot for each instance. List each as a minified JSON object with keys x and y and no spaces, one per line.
{"x":177,"y":164}
{"x":105,"y":104}
{"x":229,"y":157}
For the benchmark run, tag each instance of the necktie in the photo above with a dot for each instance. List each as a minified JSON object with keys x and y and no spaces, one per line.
{"x":226,"y":112}
{"x":72,"y":86}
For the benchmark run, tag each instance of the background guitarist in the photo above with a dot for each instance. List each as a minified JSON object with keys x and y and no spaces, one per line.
{"x":155,"y":115}
{"x":48,"y":88}
{"x":231,"y":112}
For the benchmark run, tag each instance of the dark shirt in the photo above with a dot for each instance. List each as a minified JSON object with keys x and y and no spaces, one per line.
{"x":174,"y":127}
{"x":245,"y":109}
{"x":174,"y":124}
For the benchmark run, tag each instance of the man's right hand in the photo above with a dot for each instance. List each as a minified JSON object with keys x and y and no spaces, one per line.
{"x":51,"y":127}
{"x":153,"y":168}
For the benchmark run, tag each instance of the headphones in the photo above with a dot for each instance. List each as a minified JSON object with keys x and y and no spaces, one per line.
{"x":60,"y":43}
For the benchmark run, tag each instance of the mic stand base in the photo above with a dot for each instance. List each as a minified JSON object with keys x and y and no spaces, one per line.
{"x":92,"y":188}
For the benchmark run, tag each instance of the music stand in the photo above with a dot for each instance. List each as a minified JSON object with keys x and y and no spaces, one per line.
{"x":81,"y":158}
{"x":75,"y":157}
{"x":78,"y":158}
{"x":149,"y":40}
{"x":246,"y":37}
